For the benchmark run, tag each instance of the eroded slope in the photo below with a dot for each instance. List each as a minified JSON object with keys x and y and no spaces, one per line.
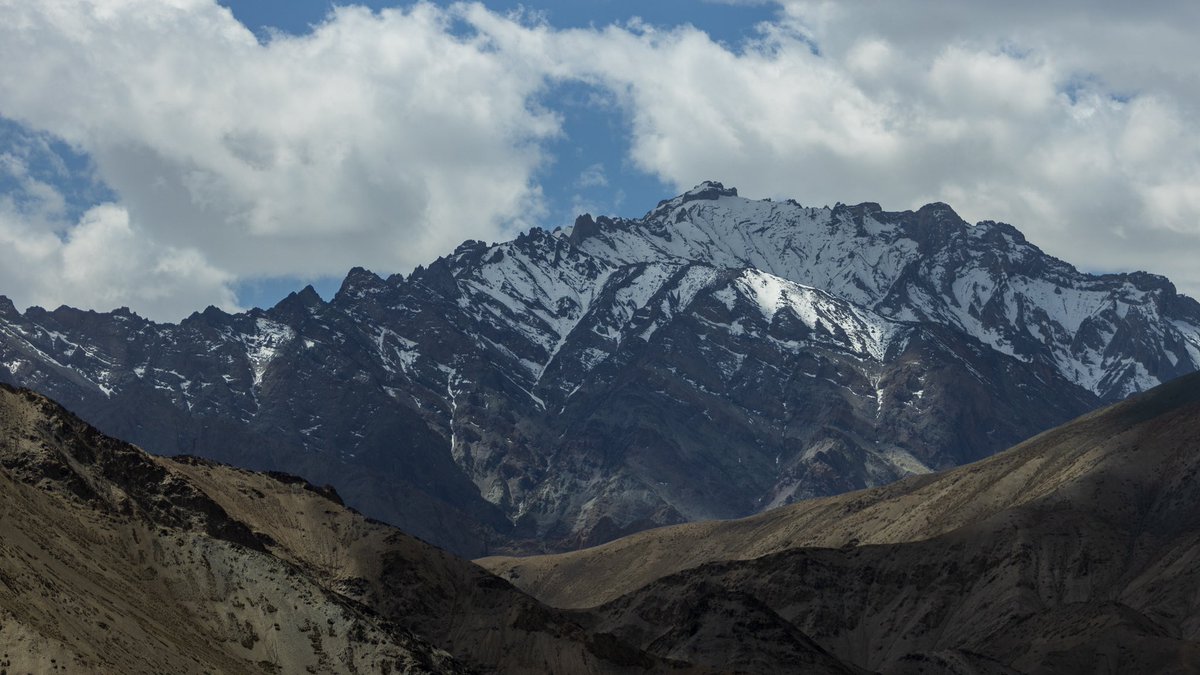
{"x":115,"y":561}
{"x":1073,"y":552}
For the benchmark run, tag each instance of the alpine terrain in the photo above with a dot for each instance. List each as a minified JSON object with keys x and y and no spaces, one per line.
{"x":715,"y":358}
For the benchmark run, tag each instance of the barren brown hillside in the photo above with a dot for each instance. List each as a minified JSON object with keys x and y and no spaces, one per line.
{"x":113,"y":561}
{"x":1076,"y":551}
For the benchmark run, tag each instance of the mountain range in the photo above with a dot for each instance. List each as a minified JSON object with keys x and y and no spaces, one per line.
{"x":716,"y":358}
{"x":1074,"y":552}
{"x":115,"y":561}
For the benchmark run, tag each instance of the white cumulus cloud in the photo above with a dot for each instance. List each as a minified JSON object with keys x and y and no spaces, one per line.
{"x":1077,"y":122}
{"x":380,"y":139}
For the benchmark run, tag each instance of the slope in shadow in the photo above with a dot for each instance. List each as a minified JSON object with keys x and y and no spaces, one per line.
{"x":1076,"y":551}
{"x":112,"y":560}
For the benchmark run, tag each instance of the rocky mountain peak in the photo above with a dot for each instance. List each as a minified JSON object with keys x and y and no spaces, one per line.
{"x":359,"y":282}
{"x":934,"y":226}
{"x":858,"y":212}
{"x":212,"y":316}
{"x":706,"y":191}
{"x":583,"y":228}
{"x":1149,"y":282}
{"x":716,"y":357}
{"x":304,"y":301}
{"x":709,"y":189}
{"x":998,"y":229}
{"x":438,"y":276}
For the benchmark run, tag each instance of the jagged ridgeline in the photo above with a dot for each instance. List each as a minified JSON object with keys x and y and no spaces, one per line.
{"x":717,"y":357}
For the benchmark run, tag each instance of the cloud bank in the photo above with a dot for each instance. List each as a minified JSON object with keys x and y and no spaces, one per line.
{"x":378,"y":139}
{"x":384,"y":139}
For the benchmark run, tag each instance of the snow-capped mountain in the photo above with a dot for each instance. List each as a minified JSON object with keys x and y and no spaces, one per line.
{"x":712,"y":359}
{"x":1111,"y":334}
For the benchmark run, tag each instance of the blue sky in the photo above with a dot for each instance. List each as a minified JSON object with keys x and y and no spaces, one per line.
{"x":730,"y":22}
{"x":594,"y":134}
{"x":171,"y":155}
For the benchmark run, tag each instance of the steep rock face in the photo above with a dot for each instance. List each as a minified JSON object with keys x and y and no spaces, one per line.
{"x":715,"y":358}
{"x":286,"y":389}
{"x":112,"y":560}
{"x":929,"y":265}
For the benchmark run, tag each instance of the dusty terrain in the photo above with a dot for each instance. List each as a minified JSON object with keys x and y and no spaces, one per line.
{"x":1076,"y":551}
{"x":113,"y":561}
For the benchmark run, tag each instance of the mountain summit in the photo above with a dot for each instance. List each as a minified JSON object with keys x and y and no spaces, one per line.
{"x":717,"y":357}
